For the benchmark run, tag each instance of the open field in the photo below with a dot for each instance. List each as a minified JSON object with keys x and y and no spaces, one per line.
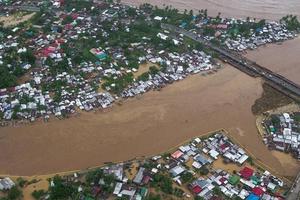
{"x":15,"y":19}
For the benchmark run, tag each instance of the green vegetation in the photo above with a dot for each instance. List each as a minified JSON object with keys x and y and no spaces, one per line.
{"x":187,"y":177}
{"x":178,"y":192}
{"x":244,"y":29}
{"x":170,"y":15}
{"x":93,"y":177}
{"x":14,"y":194}
{"x":118,"y":84}
{"x":21,"y":182}
{"x":291,"y":21}
{"x":61,"y":190}
{"x":217,"y":191}
{"x":153,"y":197}
{"x":38,"y":194}
{"x":162,"y":182}
{"x":203,"y":170}
{"x":250,"y":160}
{"x":6,"y":78}
{"x":152,"y":71}
{"x":297,"y":117}
{"x":208,"y":31}
{"x":78,"y":4}
{"x":67,"y":20}
{"x":28,"y":57}
{"x":11,"y":69}
{"x":275,"y":120}
{"x":199,"y":198}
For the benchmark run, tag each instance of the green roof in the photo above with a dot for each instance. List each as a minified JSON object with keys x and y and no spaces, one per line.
{"x":144,"y":191}
{"x":234,"y":179}
{"x":101,"y":56}
{"x":272,"y":129}
{"x":255,"y":180}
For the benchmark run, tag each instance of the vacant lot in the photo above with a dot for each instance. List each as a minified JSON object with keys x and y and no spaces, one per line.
{"x":15,"y":19}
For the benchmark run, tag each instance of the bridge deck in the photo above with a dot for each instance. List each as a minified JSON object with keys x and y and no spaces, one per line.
{"x":244,"y":64}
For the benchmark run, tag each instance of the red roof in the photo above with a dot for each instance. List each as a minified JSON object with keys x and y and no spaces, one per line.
{"x":47,"y":50}
{"x":59,"y":41}
{"x":96,"y":190}
{"x":223,"y":146}
{"x":222,"y":26}
{"x":222,"y":180}
{"x":177,"y":154}
{"x":246,"y":172}
{"x":74,"y":16}
{"x":68,"y":26}
{"x":11,"y":89}
{"x":146,"y":179}
{"x":63,"y":16}
{"x":197,"y":189}
{"x":258,"y":191}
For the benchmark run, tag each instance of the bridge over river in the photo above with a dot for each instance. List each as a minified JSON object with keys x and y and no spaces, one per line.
{"x":275,"y":80}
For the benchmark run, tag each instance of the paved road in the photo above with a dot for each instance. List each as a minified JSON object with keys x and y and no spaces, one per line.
{"x":24,"y":8}
{"x":242,"y":63}
{"x":294,"y":193}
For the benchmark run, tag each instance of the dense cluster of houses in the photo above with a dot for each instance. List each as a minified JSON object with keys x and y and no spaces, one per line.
{"x":178,"y":67}
{"x":29,"y":103}
{"x":60,"y":93}
{"x":248,"y":183}
{"x":283,"y":133}
{"x":189,"y":168}
{"x":270,"y":32}
{"x":61,"y":82}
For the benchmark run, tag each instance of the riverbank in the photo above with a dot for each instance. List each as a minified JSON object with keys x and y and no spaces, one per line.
{"x":269,"y":100}
{"x":285,"y":159}
{"x":282,"y":59}
{"x":131,"y":129}
{"x":140,"y":127}
{"x":267,"y":9}
{"x":37,"y":183}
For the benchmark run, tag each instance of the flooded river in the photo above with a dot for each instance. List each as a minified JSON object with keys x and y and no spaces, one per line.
{"x":146,"y":126}
{"x":268,"y":9}
{"x":282,"y":59}
{"x":158,"y":121}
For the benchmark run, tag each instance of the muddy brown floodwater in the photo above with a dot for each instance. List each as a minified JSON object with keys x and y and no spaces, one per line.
{"x":267,"y":9}
{"x":140,"y":127}
{"x":283,"y":59}
{"x":158,"y":121}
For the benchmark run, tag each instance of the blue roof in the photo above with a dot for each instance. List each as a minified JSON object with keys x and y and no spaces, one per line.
{"x":252,"y":197}
{"x":201,"y":159}
{"x":201,"y":183}
{"x":258,"y":29}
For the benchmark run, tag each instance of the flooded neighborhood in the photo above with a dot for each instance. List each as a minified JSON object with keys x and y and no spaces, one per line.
{"x":79,"y":103}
